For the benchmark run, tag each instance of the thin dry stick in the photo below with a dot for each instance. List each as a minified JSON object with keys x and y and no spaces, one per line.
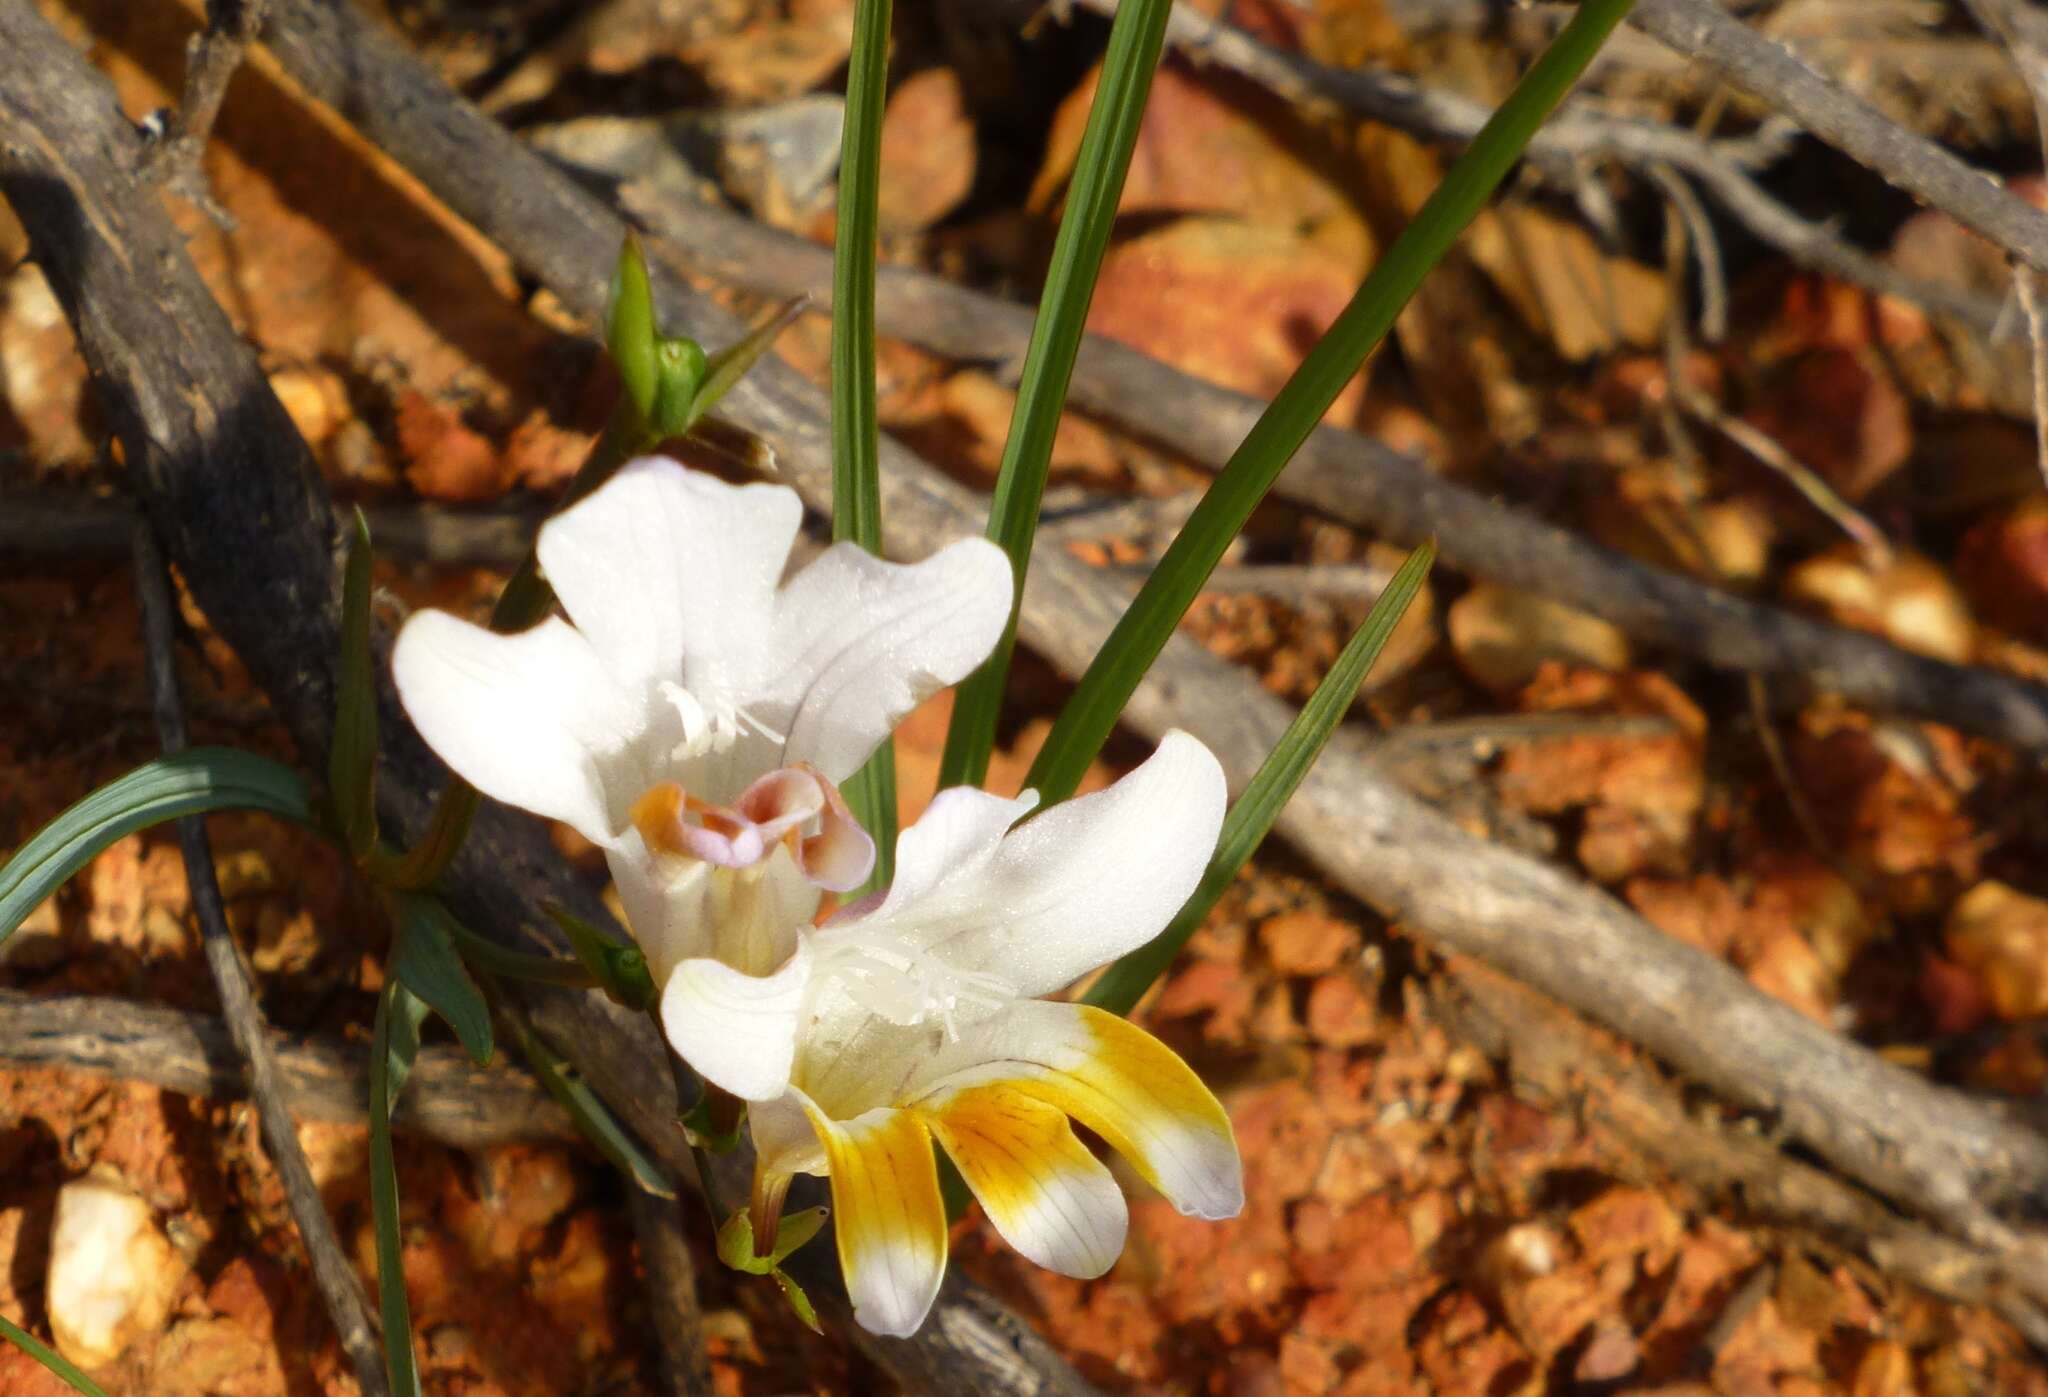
{"x":1705,"y":33}
{"x":1931,"y":1149}
{"x":448,"y":1098}
{"x":673,"y":1311}
{"x":2025,"y":32}
{"x":332,"y":1273}
{"x":1572,"y":140}
{"x":210,"y":60}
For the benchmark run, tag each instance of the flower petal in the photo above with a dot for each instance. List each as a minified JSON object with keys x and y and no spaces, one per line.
{"x":672,"y":573}
{"x":682,"y":908}
{"x":524,"y":718}
{"x":1050,"y":1198}
{"x":859,"y":642}
{"x":1113,"y":1077}
{"x":887,"y":1215}
{"x":737,"y":1031}
{"x":1073,"y":889}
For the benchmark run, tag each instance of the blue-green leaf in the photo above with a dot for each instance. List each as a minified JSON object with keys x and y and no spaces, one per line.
{"x":56,"y":1362}
{"x":426,"y":961}
{"x":192,"y":782}
{"x":394,"y":1044}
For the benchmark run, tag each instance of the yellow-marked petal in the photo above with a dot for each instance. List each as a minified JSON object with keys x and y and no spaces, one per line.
{"x":888,"y":1215}
{"x":1050,"y":1198}
{"x":1120,"y":1082}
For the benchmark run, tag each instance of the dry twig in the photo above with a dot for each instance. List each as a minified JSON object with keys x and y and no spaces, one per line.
{"x":210,"y":60}
{"x":1932,"y":1150}
{"x":1705,"y":33}
{"x":335,"y":1278}
{"x":448,"y":1098}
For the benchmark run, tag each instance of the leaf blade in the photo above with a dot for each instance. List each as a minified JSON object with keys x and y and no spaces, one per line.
{"x":1251,"y":816}
{"x":1143,"y":630}
{"x":193,"y":782}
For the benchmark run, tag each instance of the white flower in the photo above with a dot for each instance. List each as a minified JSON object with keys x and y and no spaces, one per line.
{"x":919,"y":1021}
{"x":696,"y":718}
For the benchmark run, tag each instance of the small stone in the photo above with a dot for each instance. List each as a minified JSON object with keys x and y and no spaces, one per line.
{"x":1610,"y":1354}
{"x":1911,"y":601}
{"x":1306,"y":943}
{"x":2001,"y":934}
{"x":1502,"y":636}
{"x":1339,"y":1014}
{"x":112,"y":1274}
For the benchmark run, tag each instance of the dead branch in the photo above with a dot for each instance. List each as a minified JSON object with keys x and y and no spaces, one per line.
{"x":672,"y":1277}
{"x":1932,"y":1150}
{"x":231,"y":489}
{"x":333,"y":1276}
{"x":1362,"y":482}
{"x":1570,"y":142}
{"x":46,"y":526}
{"x":448,"y":1099}
{"x":210,"y":60}
{"x":1705,"y":33}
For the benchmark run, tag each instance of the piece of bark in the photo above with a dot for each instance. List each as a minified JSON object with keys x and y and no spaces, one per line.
{"x":447,"y":1098}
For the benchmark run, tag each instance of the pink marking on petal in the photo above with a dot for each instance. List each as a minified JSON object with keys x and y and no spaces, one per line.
{"x":841,"y":854}
{"x":783,"y":800}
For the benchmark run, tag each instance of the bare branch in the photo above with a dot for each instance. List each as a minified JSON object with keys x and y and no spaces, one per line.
{"x":1705,"y":33}
{"x":448,"y":1099}
{"x":334,"y":1277}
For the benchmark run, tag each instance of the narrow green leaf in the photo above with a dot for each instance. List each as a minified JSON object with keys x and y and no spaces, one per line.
{"x":730,"y":364}
{"x":629,"y":328}
{"x":1121,"y":986}
{"x":620,"y":970}
{"x":191,"y":782}
{"x":394,"y":1044}
{"x":1143,"y":630}
{"x":856,"y":433}
{"x":591,"y":1115}
{"x":426,"y":962}
{"x":352,"y":756}
{"x":488,"y":956}
{"x":799,"y":1302}
{"x":1099,"y":171}
{"x":56,"y":1362}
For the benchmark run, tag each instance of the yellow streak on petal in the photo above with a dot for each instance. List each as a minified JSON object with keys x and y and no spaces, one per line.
{"x":887,"y":1215}
{"x":656,"y":814}
{"x":1049,"y":1197}
{"x":1136,"y":1093}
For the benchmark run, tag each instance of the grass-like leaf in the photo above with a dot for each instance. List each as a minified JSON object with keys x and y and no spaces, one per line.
{"x":352,"y":756}
{"x":1099,"y":170}
{"x":1143,"y":630}
{"x":856,"y":435}
{"x":192,"y":782}
{"x":591,"y":1115}
{"x":63,"y":1368}
{"x":425,"y":959}
{"x":394,"y":1044}
{"x":1122,"y":985}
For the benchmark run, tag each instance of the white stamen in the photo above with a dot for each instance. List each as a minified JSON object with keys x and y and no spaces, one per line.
{"x":906,"y":987}
{"x":713,"y":727}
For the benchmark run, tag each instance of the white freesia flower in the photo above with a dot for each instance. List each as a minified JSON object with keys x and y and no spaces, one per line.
{"x":694,"y":716}
{"x":919,"y":1021}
